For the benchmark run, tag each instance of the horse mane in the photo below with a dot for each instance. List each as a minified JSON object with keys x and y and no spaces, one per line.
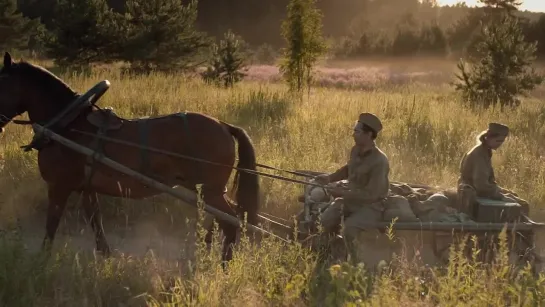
{"x":45,"y":79}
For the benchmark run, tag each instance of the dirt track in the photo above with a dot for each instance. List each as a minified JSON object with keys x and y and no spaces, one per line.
{"x":134,"y":238}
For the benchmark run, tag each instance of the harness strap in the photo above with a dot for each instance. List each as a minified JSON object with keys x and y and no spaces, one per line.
{"x":183,"y":116}
{"x":98,"y":144}
{"x":144,"y":153}
{"x":187,"y":145}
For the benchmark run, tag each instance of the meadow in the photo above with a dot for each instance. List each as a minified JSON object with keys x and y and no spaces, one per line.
{"x":157,"y":262}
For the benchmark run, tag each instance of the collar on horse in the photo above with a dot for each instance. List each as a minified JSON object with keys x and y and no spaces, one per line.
{"x":69,"y":114}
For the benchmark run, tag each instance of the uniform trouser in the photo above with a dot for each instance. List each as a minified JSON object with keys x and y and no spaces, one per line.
{"x":332,"y":216}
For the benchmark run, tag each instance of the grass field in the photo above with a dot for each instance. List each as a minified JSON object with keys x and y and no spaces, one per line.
{"x":426,"y":133}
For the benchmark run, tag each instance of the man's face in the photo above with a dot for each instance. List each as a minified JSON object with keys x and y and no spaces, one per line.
{"x":361,"y":138}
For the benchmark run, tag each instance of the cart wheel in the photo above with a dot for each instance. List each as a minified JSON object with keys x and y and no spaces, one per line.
{"x":488,"y":247}
{"x":517,"y":245}
{"x":337,"y":249}
{"x":332,"y":249}
{"x":440,"y":244}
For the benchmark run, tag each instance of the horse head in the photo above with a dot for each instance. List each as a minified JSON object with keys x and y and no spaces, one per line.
{"x":11,"y":95}
{"x":26,"y":87}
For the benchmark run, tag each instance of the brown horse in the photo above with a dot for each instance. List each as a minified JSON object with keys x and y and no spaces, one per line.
{"x":25,"y":87}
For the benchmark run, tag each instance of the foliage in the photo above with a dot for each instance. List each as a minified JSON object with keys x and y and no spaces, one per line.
{"x":161,"y":35}
{"x":16,"y":31}
{"x":507,"y":5}
{"x":226,"y":62}
{"x":151,"y":35}
{"x":535,"y":32}
{"x":465,"y":33}
{"x":265,"y":54}
{"x":433,"y":41}
{"x":355,"y":28}
{"x":503,"y":69}
{"x":406,"y":40}
{"x":83,"y":32}
{"x":305,"y":44}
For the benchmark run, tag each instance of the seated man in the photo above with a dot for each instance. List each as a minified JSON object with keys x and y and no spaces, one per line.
{"x":477,"y":173}
{"x":367,"y":173}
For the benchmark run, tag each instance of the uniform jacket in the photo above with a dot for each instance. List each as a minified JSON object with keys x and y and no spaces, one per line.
{"x":367,"y":176}
{"x":476,"y":170}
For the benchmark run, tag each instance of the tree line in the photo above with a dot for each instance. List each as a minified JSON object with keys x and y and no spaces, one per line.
{"x":412,"y":36}
{"x":357,"y":28}
{"x":155,"y":35}
{"x":498,"y":42}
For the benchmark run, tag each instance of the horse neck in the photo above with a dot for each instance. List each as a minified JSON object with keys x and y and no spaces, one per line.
{"x":44,"y":104}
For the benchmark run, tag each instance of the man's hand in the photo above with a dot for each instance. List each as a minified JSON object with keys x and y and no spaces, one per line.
{"x":322,"y":179}
{"x":506,"y":191}
{"x":337,"y":191}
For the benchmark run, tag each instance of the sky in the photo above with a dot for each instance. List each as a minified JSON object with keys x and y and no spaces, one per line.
{"x":527,"y":5}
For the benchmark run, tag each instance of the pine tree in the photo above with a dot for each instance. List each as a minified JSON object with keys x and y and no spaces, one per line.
{"x":407,"y":37}
{"x":433,"y":40}
{"x":162,"y":35}
{"x":232,"y":59}
{"x":302,"y":32}
{"x":214,"y":70}
{"x":15,"y":29}
{"x":84,"y":31}
{"x":464,"y":35}
{"x":226,"y":61}
{"x":503,"y":69}
{"x":508,"y":5}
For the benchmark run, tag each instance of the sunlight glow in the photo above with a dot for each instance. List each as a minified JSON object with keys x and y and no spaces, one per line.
{"x":527,"y":5}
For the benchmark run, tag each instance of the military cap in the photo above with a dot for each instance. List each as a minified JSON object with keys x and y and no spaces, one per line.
{"x":497,"y":128}
{"x":371,"y":120}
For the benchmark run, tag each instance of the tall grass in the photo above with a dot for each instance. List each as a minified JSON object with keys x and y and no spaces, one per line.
{"x":426,"y":131}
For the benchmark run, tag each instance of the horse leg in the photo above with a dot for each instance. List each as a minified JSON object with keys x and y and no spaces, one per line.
{"x":92,"y":211}
{"x":216,"y":197}
{"x":208,"y":225}
{"x":57,"y":197}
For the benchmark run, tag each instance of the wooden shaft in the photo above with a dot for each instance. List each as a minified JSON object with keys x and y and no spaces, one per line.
{"x":449,"y":226}
{"x":182,"y":193}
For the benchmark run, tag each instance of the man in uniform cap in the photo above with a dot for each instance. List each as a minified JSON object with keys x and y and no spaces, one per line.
{"x":367,"y":172}
{"x":476,"y":171}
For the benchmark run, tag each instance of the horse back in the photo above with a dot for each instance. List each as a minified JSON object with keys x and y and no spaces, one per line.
{"x":185,"y":135}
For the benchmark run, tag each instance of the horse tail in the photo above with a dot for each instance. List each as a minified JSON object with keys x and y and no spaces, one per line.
{"x":245,"y":184}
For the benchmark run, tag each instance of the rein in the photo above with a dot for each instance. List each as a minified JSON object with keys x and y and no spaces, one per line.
{"x":167,"y":153}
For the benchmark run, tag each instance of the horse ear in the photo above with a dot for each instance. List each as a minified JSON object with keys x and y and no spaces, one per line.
{"x":7,"y":60}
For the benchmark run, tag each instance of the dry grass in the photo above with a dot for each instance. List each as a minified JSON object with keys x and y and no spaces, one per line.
{"x":426,"y":132}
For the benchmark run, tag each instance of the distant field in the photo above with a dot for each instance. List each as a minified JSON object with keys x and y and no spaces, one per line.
{"x":426,"y":131}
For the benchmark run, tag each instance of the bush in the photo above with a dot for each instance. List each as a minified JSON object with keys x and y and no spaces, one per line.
{"x":503,"y":70}
{"x":227,"y":61}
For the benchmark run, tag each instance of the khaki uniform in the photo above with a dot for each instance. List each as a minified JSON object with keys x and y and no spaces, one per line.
{"x":368,"y":186}
{"x":368,"y":182}
{"x":476,"y":171}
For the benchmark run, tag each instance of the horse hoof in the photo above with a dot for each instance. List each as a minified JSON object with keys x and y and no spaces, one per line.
{"x":224,"y":265}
